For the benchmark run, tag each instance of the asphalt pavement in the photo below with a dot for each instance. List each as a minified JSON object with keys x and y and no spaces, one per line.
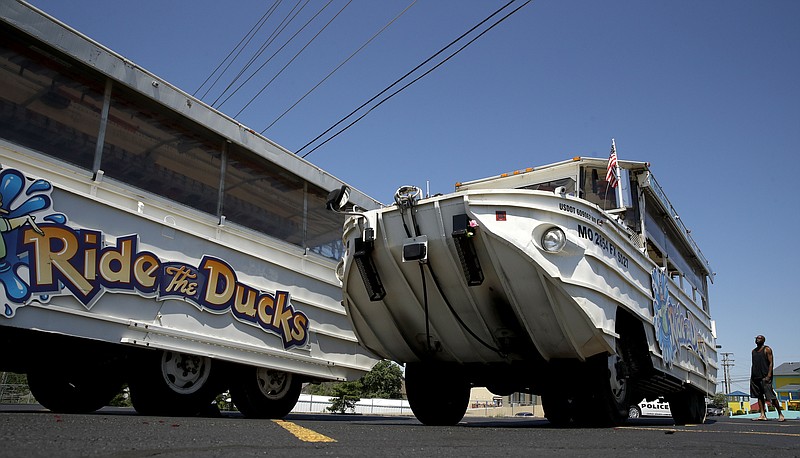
{"x":27,"y":431}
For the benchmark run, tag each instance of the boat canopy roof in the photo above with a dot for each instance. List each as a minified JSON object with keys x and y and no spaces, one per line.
{"x":530,"y":175}
{"x":94,"y":57}
{"x":571,"y":168}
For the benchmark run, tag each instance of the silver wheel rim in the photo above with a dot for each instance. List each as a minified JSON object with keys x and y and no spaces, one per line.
{"x":184,"y":373}
{"x":273,"y":384}
{"x":618,"y":385}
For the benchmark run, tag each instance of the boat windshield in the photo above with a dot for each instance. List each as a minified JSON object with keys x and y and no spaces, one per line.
{"x":567,"y":183}
{"x":596,"y":189}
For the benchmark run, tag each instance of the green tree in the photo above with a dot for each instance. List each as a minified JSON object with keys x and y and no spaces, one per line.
{"x":322,"y":389}
{"x":383,"y":381}
{"x":122,"y":399}
{"x":719,"y":400}
{"x":345,"y":397}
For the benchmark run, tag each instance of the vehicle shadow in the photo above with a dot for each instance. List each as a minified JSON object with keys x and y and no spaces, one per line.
{"x":406,"y":420}
{"x":543,"y":423}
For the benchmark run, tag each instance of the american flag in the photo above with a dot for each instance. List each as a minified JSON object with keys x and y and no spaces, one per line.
{"x":611,"y":173}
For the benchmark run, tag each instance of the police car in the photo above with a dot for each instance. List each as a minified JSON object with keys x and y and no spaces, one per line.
{"x":655,"y":408}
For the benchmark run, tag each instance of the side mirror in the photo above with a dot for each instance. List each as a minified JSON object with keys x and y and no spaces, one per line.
{"x":337,"y":199}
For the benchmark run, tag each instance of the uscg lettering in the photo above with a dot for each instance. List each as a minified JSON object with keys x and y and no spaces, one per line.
{"x":78,"y":261}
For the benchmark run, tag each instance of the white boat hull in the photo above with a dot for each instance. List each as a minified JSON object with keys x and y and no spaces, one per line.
{"x":531,"y":304}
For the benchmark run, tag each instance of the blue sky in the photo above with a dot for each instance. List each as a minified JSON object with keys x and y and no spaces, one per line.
{"x":707,"y":92}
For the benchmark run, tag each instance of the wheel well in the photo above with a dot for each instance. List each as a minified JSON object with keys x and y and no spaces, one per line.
{"x":635,"y":351}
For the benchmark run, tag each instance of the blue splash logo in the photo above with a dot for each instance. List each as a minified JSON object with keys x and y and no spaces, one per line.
{"x":21,"y":199}
{"x":662,"y":308}
{"x":675,"y":327}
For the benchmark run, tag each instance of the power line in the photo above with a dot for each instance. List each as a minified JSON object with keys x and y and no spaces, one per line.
{"x":401,"y":78}
{"x":414,"y":80}
{"x":293,"y":58}
{"x":255,"y":55}
{"x":251,"y":33}
{"x":281,"y":27}
{"x":340,"y":65}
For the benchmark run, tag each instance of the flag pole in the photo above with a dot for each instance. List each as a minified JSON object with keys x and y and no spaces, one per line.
{"x":618,"y":171}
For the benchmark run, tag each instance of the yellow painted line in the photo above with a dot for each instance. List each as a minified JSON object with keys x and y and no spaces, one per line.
{"x":304,"y":434}
{"x":674,"y":430}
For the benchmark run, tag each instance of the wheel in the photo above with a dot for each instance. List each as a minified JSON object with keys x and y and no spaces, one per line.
{"x":634,"y":412}
{"x":557,"y":408}
{"x":617,"y":394}
{"x":76,"y":389}
{"x":608,"y":401}
{"x":698,"y":410}
{"x":173,"y":383}
{"x":502,"y":389}
{"x":438,"y":395}
{"x":259,"y":392}
{"x":688,"y":406}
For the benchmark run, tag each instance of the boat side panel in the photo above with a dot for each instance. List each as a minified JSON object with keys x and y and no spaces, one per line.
{"x":269,"y":306}
{"x":601,"y":270}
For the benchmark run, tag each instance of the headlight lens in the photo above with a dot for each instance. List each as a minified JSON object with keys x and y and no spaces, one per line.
{"x":554,"y":240}
{"x":340,"y":271}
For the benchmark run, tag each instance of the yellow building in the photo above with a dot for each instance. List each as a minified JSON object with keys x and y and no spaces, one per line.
{"x":786,"y":381}
{"x":738,"y":402}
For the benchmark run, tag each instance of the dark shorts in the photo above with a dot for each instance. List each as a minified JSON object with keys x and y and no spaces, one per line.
{"x":762,"y":390}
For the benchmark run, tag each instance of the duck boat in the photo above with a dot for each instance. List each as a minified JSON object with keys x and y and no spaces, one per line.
{"x":149,"y":240}
{"x":576,"y":281}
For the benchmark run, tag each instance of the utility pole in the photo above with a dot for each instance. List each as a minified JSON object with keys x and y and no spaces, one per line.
{"x":726,"y":363}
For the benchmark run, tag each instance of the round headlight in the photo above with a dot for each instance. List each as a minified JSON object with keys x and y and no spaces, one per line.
{"x":340,"y":271}
{"x":554,"y":240}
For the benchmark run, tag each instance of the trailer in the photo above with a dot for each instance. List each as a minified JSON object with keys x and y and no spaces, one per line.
{"x":576,"y":281}
{"x":150,"y":241}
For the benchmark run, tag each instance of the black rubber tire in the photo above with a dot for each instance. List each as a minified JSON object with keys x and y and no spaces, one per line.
{"x":438,"y":395}
{"x":613,"y":394}
{"x":74,"y":390}
{"x":605,"y":400}
{"x":634,"y":412}
{"x":500,"y":388}
{"x":687,"y":407}
{"x":265,"y":393}
{"x":557,"y":408}
{"x":156,"y":388}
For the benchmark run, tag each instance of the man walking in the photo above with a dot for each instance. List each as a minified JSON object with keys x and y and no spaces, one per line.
{"x":761,"y":380}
